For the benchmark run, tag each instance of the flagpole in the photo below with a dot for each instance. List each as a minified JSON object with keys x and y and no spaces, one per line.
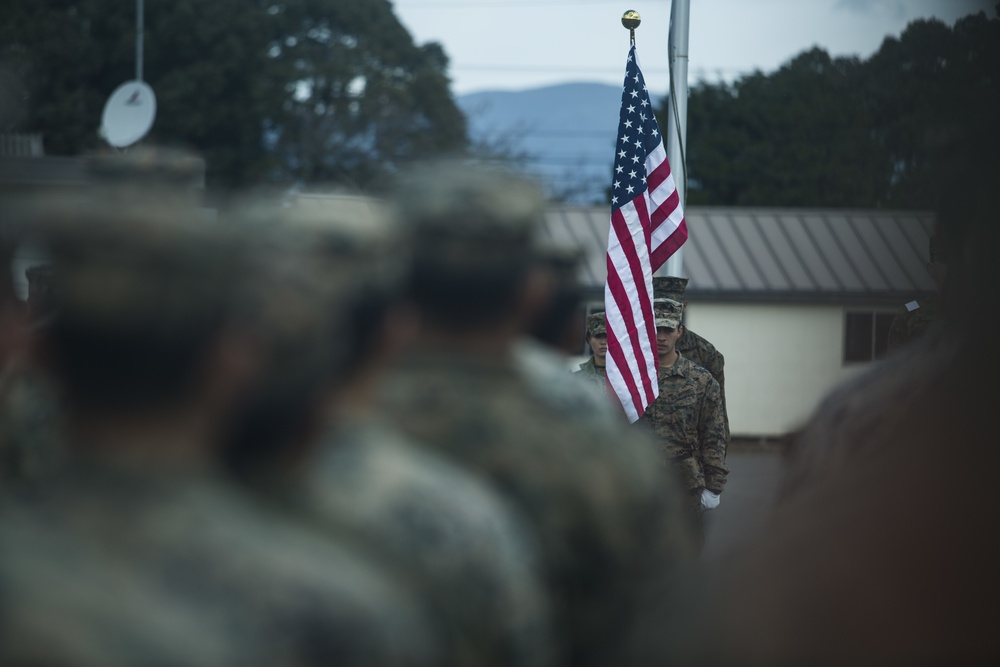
{"x":676,"y":135}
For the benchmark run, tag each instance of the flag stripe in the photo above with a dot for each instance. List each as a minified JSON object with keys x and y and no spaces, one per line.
{"x":622,"y":383}
{"x":660,"y":172}
{"x":634,"y":305}
{"x":663,"y":252}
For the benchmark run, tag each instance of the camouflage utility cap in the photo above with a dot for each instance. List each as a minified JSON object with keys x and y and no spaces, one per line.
{"x":669,"y":287}
{"x":469,"y":218}
{"x":596,"y":325}
{"x":142,"y":265}
{"x":313,"y":263}
{"x":667,"y":313}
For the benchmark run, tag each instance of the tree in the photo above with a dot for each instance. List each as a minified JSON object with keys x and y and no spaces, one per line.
{"x":300,"y":90}
{"x":928,"y":91}
{"x":843,"y":132}
{"x":361,"y":98}
{"x":796,"y":137}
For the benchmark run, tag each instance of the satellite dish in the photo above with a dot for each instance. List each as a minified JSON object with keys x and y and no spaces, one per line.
{"x":128,"y":114}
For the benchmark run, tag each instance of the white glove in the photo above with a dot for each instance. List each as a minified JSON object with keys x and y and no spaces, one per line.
{"x":709,"y":500}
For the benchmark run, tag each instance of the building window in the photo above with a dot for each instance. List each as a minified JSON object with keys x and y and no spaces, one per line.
{"x":866,"y":336}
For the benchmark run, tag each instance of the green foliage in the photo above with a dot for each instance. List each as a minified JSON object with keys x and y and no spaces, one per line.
{"x":286,"y":91}
{"x":843,"y":132}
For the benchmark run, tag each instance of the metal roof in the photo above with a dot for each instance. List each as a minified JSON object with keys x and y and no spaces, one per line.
{"x":776,"y":254}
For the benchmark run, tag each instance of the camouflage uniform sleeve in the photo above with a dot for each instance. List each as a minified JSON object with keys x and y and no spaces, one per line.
{"x":712,"y":439}
{"x":716,"y":364}
{"x":719,"y":373}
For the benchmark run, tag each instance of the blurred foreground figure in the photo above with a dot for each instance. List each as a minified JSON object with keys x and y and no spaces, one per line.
{"x":325,"y":304}
{"x":881,"y":549}
{"x":136,"y":552}
{"x":543,"y":355}
{"x":600,"y":503}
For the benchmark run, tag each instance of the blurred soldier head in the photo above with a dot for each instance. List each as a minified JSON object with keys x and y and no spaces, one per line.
{"x":141,"y":298}
{"x":667,"y":318}
{"x":325,"y":306}
{"x":597,"y":337}
{"x":472,"y":230}
{"x":560,"y":319}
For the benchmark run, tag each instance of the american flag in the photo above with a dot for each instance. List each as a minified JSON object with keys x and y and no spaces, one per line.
{"x":647,"y":227}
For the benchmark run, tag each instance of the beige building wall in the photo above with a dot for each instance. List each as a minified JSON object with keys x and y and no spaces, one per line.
{"x":781,"y":360}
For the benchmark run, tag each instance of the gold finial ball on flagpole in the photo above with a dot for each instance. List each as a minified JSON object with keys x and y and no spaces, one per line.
{"x":631,"y":19}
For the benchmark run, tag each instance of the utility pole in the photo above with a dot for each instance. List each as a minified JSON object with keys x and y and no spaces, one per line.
{"x":680,"y":14}
{"x":139,"y":20}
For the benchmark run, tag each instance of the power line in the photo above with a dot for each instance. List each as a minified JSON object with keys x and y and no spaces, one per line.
{"x":528,"y":4}
{"x":601,"y":70}
{"x":536,"y":68}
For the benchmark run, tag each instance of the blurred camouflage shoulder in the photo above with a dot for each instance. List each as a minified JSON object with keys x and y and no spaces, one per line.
{"x":64,"y":605}
{"x":604,"y":508}
{"x":590,"y":373}
{"x":864,"y":410}
{"x":470,"y":556}
{"x":550,"y":379}
{"x":263,"y":589}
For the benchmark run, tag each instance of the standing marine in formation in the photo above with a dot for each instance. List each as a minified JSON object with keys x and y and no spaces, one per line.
{"x":694,"y":347}
{"x":687,"y":418}
{"x":593,"y":370}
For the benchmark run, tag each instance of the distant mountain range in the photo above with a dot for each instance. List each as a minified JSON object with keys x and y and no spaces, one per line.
{"x":566,"y":131}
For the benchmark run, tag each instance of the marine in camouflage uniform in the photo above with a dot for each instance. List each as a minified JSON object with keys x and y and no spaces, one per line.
{"x":124,"y":566}
{"x":441,"y":528}
{"x":589,"y":371}
{"x":599,"y":502}
{"x":142,"y":296}
{"x":30,"y":413}
{"x":693,"y":347}
{"x":465,"y":552}
{"x":686,"y":418}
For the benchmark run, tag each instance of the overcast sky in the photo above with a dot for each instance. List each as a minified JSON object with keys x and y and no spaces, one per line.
{"x":517,"y":44}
